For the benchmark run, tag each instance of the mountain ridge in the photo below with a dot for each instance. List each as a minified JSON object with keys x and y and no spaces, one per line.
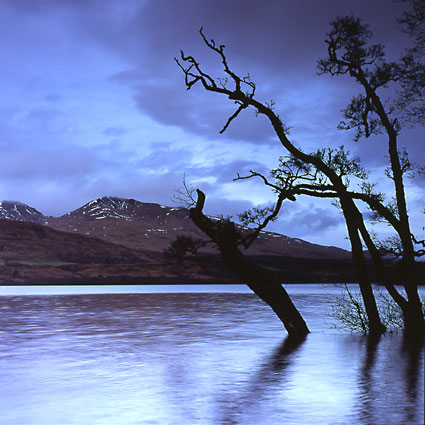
{"x":152,"y":227}
{"x":117,"y":240}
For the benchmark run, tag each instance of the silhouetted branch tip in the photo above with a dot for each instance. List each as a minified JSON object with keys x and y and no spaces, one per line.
{"x":184,"y":196}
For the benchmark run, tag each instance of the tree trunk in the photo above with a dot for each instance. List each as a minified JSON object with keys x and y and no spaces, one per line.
{"x":412,"y":308}
{"x":414,"y":319}
{"x":262,"y":283}
{"x":353,"y":220}
{"x":414,"y":323}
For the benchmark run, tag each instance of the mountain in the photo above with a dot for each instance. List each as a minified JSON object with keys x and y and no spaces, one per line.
{"x":147,"y":226}
{"x":135,"y":224}
{"x":12,"y":210}
{"x":115,"y":240}
{"x":153,"y":227}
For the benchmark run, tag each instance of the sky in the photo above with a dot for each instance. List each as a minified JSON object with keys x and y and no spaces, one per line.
{"x":93,"y":104}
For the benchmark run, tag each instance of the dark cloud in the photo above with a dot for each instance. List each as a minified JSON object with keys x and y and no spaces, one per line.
{"x":273,"y":35}
{"x":197,"y":112}
{"x":278,"y":44}
{"x":69,"y":133}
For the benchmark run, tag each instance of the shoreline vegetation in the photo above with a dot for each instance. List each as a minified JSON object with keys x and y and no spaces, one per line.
{"x":207,"y":269}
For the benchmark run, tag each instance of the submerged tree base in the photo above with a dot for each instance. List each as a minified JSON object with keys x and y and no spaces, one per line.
{"x":224,"y":234}
{"x":350,"y":315}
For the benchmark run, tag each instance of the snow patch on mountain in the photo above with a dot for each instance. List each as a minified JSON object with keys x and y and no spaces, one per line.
{"x":110,"y":207}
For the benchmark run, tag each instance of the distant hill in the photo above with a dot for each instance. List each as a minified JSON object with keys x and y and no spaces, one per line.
{"x":124,"y":239}
{"x":31,"y":253}
{"x":152,"y":227}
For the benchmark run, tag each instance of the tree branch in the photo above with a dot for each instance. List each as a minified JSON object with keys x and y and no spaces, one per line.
{"x":238,"y":111}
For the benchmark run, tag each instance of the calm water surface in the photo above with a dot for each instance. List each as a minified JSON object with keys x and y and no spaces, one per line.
{"x":194,"y":355}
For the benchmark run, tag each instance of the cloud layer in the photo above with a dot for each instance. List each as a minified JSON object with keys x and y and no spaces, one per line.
{"x":94,"y":104}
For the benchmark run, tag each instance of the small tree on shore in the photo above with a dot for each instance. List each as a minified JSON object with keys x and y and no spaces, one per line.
{"x":183,"y":247}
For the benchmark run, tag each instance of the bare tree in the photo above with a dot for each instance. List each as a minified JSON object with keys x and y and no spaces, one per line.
{"x":326,"y":173}
{"x":228,"y":239}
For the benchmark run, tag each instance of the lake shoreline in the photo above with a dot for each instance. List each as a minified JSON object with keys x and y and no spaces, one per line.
{"x":239,"y":288}
{"x":190,"y":283}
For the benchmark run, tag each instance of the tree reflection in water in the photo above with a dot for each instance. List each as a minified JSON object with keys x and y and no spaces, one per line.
{"x":270,"y":374}
{"x":385,"y":373}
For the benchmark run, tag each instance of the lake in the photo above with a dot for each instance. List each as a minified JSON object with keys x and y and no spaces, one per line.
{"x":192,"y":354}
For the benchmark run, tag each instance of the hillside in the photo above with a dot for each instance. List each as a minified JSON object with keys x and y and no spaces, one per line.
{"x":113,"y":240}
{"x":31,"y":253}
{"x":153,"y":227}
